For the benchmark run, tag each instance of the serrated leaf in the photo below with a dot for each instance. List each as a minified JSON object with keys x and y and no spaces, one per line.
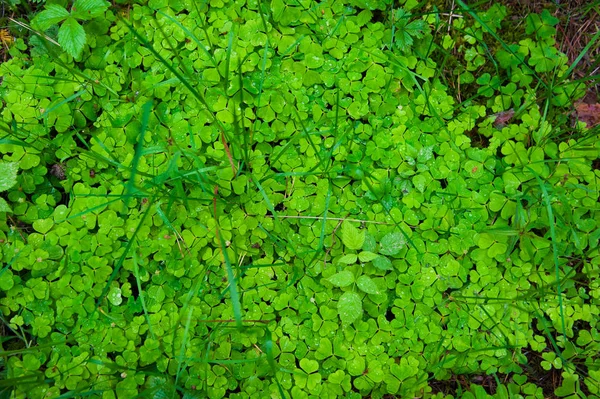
{"x":4,"y":207}
{"x":342,"y":279}
{"x":366,"y":284}
{"x":370,"y":244}
{"x":8,"y":175}
{"x":407,"y":31}
{"x":348,"y":259}
{"x":350,"y":307}
{"x":415,"y":28}
{"x":88,"y":9}
{"x":383,"y":263}
{"x":392,"y":243}
{"x":367,"y":256}
{"x":52,"y":15}
{"x":71,"y":37}
{"x":352,"y":237}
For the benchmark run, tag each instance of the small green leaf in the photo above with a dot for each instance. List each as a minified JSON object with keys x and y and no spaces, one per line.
{"x":29,"y":161}
{"x":31,"y":362}
{"x":497,"y":201}
{"x":356,"y":366}
{"x":308,"y":365}
{"x":350,"y":307}
{"x":342,"y":279}
{"x":348,"y":259}
{"x":7,"y":282}
{"x":367,"y":256}
{"x":71,"y":37}
{"x":497,"y":249}
{"x":8,"y":175}
{"x":352,"y":237}
{"x":485,"y":240}
{"x":114,"y":296}
{"x":52,"y":15}
{"x":43,"y":225}
{"x":365,"y":284}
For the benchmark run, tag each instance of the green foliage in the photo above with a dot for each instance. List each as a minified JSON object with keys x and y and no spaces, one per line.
{"x":406,"y":31}
{"x":8,"y":178}
{"x":290,"y":199}
{"x":71,"y":34}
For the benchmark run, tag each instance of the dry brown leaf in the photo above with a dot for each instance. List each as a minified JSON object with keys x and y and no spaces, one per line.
{"x":502,"y":118}
{"x":5,"y":37}
{"x":588,"y":113}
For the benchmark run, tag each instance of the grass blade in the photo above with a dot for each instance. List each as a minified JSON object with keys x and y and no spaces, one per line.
{"x":146,"y":108}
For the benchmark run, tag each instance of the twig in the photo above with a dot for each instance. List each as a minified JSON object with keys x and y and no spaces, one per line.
{"x":332,"y":242}
{"x":34,"y":31}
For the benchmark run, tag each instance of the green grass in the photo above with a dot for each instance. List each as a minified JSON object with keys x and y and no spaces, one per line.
{"x":212,"y":215}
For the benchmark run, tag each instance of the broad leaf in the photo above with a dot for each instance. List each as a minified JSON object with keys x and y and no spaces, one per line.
{"x":392,"y":243}
{"x":8,"y":175}
{"x":348,"y":259}
{"x":350,"y":307}
{"x":88,"y":9}
{"x":352,"y":237}
{"x":383,"y":263}
{"x":4,"y":207}
{"x":365,"y":284}
{"x":367,"y":256}
{"x":52,"y":15}
{"x":71,"y":37}
{"x":342,"y":279}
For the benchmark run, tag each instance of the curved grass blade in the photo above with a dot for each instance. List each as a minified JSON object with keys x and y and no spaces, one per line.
{"x":136,"y":273}
{"x":146,"y":108}
{"x":546,"y":199}
{"x":65,"y":101}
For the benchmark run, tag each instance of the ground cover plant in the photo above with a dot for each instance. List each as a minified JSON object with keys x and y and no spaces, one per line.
{"x":295,"y":199}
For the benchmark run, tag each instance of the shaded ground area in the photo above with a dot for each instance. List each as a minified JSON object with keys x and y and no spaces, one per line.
{"x":579,"y":22}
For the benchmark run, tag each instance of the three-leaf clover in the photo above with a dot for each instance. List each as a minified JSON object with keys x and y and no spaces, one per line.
{"x":71,"y":35}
